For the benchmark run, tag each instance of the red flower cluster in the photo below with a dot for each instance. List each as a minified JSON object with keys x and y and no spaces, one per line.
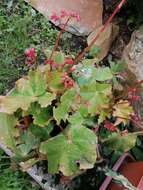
{"x":110,"y":126}
{"x":31,"y":55}
{"x":67,"y":81}
{"x":132,"y":95}
{"x":64,"y":13}
{"x":55,"y":17}
{"x":75,"y":15}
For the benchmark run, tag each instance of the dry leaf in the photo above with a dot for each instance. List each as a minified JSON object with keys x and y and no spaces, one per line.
{"x":105,"y":40}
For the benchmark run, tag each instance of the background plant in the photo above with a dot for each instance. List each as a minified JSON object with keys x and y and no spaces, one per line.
{"x":21,"y":27}
{"x":12,"y":178}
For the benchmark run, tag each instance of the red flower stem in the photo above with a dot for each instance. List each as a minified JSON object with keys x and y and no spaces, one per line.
{"x":58,"y":38}
{"x":81,"y":55}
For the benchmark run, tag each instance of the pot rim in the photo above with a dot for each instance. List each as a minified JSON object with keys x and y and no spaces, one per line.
{"x":116,"y":167}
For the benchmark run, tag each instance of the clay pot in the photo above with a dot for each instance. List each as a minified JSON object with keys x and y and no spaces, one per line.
{"x":132,"y":171}
{"x":129,"y":168}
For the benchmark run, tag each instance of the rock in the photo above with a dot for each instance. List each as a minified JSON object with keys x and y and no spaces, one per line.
{"x":105,"y":40}
{"x":133,"y":54}
{"x":90,"y":12}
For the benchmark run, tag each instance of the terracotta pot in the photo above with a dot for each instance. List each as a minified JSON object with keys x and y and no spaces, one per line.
{"x":129,"y":168}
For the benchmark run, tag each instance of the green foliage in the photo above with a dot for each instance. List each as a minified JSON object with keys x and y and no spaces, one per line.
{"x":117,"y":67}
{"x":7,"y":130}
{"x":103,"y":74}
{"x":121,"y":143}
{"x":12,"y":179}
{"x":94,"y":51}
{"x":41,"y":102}
{"x":40,"y":115}
{"x":59,"y":58}
{"x":29,"y":89}
{"x":28,"y":142}
{"x":61,"y":112}
{"x":20,"y":28}
{"x":77,"y":144}
{"x":52,"y":112}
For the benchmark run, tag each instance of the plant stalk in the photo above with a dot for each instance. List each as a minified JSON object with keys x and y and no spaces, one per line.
{"x":58,"y":38}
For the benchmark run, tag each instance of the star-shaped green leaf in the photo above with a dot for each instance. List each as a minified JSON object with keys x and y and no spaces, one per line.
{"x":78,"y":144}
{"x":121,"y":143}
{"x":61,"y":112}
{"x":28,"y":89}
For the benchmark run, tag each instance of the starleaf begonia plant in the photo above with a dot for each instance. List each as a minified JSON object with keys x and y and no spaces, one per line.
{"x":60,"y":109}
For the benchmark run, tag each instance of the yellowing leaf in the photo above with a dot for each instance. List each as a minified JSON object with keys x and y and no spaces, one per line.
{"x":28,"y":164}
{"x":46,"y":99}
{"x":98,"y":103}
{"x":55,"y":82}
{"x":8,"y":131}
{"x":122,"y":111}
{"x":32,"y":85}
{"x":9,"y":104}
{"x":29,"y":89}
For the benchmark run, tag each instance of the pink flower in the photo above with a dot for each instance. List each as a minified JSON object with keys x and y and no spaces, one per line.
{"x":132,"y":95}
{"x":54,"y":17}
{"x":135,"y":98}
{"x":75,"y":15}
{"x":64,"y":14}
{"x":67,"y":81}
{"x":30,"y":52}
{"x":110,"y":126}
{"x":132,"y":91}
{"x":31,"y":55}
